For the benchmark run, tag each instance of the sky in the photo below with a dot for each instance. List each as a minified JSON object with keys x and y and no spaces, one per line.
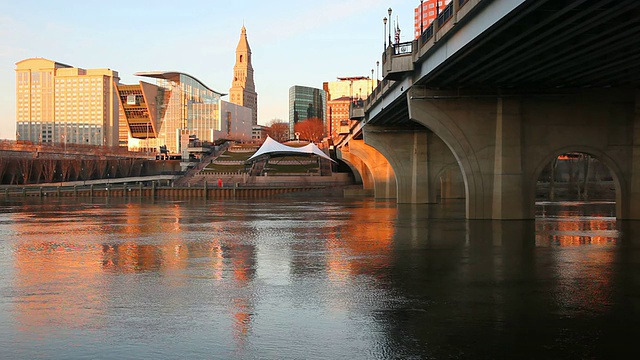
{"x":292,"y":42}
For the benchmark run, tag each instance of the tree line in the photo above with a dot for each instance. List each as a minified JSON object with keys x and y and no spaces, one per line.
{"x":24,"y":170}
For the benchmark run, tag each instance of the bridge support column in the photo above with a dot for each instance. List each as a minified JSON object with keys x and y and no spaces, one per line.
{"x":406,"y":152}
{"x":359,"y":168}
{"x":484,"y":135}
{"x":631,"y":208}
{"x":384,"y":178}
{"x":508,"y":190}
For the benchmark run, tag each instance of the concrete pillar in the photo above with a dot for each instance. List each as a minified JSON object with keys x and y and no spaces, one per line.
{"x":630,"y":208}
{"x":360,"y":171}
{"x":451,"y":183}
{"x":508,"y":191}
{"x":467,"y":126}
{"x":406,"y":152}
{"x":384,"y":178}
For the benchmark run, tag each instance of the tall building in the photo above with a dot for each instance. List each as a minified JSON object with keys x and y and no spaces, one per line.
{"x":58,"y":103}
{"x":178,"y":106}
{"x":356,"y":87}
{"x":243,"y":89}
{"x":340,"y":94}
{"x":338,"y":113}
{"x":305,"y":103}
{"x":430,"y":10}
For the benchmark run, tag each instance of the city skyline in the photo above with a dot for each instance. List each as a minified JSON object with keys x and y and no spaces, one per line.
{"x":343,"y":38}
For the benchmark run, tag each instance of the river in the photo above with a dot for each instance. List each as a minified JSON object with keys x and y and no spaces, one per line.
{"x":316,"y":278}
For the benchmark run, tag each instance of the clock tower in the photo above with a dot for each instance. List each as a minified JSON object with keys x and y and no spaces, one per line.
{"x":243,"y":89}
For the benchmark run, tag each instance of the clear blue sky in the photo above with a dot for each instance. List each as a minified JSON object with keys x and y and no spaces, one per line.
{"x":293,"y":42}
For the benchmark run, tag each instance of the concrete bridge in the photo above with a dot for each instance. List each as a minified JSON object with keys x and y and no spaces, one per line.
{"x":492,"y":92}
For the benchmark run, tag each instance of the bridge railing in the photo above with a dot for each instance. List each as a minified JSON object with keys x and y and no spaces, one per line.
{"x":405,"y":48}
{"x":444,"y":16}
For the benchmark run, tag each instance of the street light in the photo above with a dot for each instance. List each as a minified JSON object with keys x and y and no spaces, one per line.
{"x":421,"y":18}
{"x":377,"y":71}
{"x":385,"y":33}
{"x":389,"y":11}
{"x":371,"y":80}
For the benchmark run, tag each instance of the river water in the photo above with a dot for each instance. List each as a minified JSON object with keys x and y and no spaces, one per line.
{"x":314,"y":278}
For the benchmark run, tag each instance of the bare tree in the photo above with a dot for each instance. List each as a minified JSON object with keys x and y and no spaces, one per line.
{"x":138,"y":167}
{"x":89,"y":169}
{"x":552,"y":180}
{"x":586,"y":162}
{"x":279,"y":130}
{"x":3,"y":168}
{"x":101,"y":167}
{"x":24,"y":167}
{"x":76,"y":168}
{"x":126,"y":166}
{"x":65,"y":169}
{"x":48,"y":169}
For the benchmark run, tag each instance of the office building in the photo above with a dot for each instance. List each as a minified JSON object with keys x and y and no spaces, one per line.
{"x":58,"y":103}
{"x":176,"y":107}
{"x":430,"y":10}
{"x":356,"y":87}
{"x":340,"y":94}
{"x":259,"y":133}
{"x":338,"y":113}
{"x":305,"y":103}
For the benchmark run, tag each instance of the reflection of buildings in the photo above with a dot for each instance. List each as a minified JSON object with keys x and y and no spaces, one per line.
{"x":57,"y":103}
{"x":306,"y":103}
{"x":179,"y":105}
{"x":44,"y":270}
{"x":575,"y":230}
{"x":360,"y":248}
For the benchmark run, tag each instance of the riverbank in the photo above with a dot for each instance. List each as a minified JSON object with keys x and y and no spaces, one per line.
{"x":165,"y":192}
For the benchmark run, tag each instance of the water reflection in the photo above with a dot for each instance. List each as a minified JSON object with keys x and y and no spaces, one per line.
{"x":574,"y":223}
{"x":319,"y":279}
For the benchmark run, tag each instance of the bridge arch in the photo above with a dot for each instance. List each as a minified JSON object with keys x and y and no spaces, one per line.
{"x":382,"y":174}
{"x":614,"y":166}
{"x":442,"y":122}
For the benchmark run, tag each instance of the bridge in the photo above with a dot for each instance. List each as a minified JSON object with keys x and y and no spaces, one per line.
{"x":492,"y":92}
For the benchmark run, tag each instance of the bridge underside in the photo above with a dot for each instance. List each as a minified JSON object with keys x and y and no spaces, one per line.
{"x":549,"y":44}
{"x":551,"y":77}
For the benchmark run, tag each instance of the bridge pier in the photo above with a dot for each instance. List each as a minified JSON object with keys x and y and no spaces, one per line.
{"x":503,"y":142}
{"x":632,"y":207}
{"x":406,"y":152}
{"x":384,"y":180}
{"x":360,"y":170}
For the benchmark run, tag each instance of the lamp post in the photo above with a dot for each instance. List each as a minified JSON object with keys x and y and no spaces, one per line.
{"x":377,"y":71}
{"x":389,"y":11}
{"x":385,"y":33}
{"x":371,"y":80}
{"x":421,"y":18}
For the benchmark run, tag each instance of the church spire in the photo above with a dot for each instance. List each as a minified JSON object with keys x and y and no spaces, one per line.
{"x":243,"y":91}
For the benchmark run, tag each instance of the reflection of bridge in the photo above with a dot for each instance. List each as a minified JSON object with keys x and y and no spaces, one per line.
{"x":494,"y":90}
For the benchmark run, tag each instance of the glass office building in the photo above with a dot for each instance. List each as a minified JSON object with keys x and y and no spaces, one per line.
{"x":185,"y":107}
{"x":305,"y":103}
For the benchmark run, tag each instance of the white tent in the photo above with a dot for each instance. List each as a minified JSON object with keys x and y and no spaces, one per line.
{"x":272,"y":147}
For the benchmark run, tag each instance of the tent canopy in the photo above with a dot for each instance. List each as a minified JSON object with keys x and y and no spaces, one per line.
{"x":272,"y":147}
